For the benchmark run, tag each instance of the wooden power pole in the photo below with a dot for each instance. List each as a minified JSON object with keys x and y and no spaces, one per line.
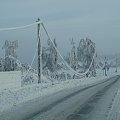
{"x":39,"y":53}
{"x":116,"y":64}
{"x":105,"y":66}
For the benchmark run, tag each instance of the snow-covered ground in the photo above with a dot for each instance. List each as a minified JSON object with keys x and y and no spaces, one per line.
{"x":12,"y":97}
{"x":55,"y":106}
{"x":114,"y":112}
{"x":102,"y":106}
{"x":109,"y":72}
{"x":11,"y":79}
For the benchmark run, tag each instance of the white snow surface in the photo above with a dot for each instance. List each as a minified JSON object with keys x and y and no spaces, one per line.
{"x":11,"y":79}
{"x":114,"y":113}
{"x":12,"y":97}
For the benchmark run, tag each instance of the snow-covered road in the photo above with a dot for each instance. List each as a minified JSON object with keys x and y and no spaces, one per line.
{"x":55,"y":107}
{"x":102,"y":106}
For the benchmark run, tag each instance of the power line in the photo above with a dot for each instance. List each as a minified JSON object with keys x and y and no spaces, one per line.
{"x":41,"y":23}
{"x":20,"y":27}
{"x":79,"y":74}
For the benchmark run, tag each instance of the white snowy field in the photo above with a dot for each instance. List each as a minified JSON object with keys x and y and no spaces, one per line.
{"x":12,"y":97}
{"x":11,"y":79}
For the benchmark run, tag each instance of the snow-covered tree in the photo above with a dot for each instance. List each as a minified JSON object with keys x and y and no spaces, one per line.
{"x":68,"y":58}
{"x":85,"y":53}
{"x":44,"y":56}
{"x":50,"y":56}
{"x":2,"y":64}
{"x":73,"y":58}
{"x":80,"y":50}
{"x":10,"y":63}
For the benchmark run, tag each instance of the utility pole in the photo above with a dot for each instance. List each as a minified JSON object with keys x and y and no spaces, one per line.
{"x":116,"y":64}
{"x":39,"y":52}
{"x":74,"y":61}
{"x":105,"y":67}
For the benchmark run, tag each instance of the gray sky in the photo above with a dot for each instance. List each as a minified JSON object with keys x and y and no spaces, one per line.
{"x":64,"y":19}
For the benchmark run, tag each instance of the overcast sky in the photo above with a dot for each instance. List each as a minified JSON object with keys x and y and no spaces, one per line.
{"x":97,"y":19}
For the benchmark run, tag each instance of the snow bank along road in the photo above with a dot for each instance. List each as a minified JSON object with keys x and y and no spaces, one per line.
{"x":60,"y":106}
